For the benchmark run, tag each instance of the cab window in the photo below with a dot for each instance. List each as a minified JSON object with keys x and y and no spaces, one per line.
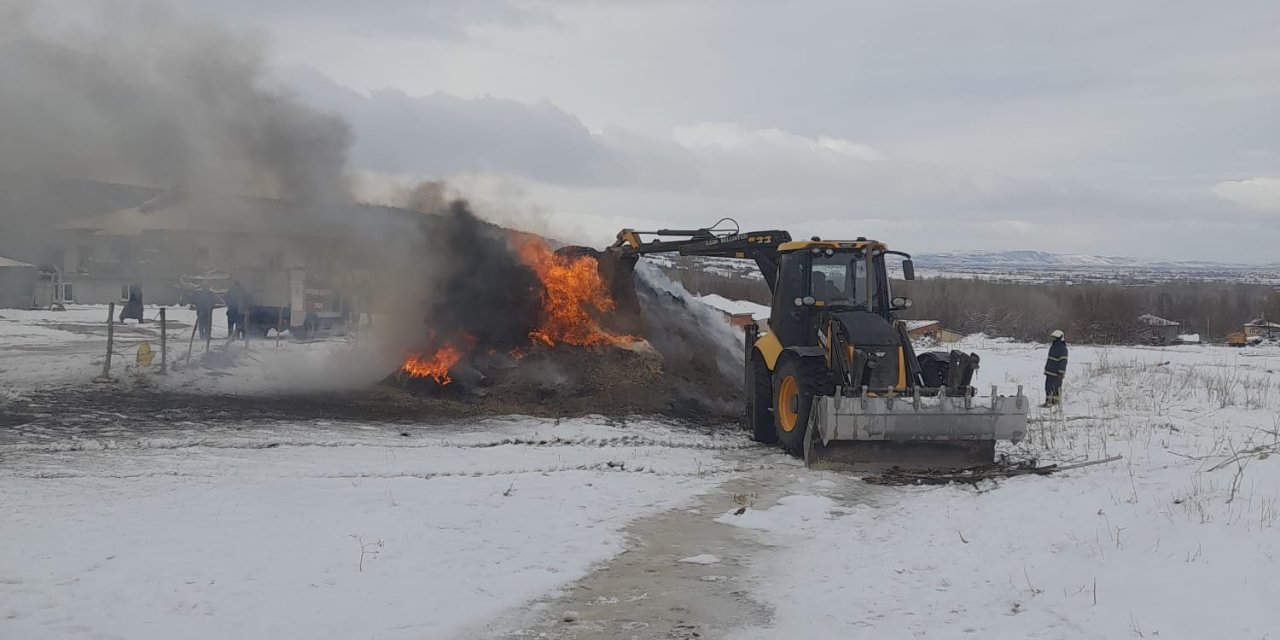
{"x":839,"y":279}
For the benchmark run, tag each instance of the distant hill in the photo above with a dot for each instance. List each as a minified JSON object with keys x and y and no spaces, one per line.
{"x":1021,"y":266}
{"x":1051,"y":260}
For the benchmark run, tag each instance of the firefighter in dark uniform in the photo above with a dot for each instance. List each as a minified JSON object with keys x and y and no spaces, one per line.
{"x":1055,"y":368}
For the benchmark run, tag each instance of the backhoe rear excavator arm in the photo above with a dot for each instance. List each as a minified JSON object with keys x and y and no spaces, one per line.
{"x":761,"y":246}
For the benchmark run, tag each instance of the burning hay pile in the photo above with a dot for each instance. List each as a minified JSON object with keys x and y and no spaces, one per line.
{"x":513,"y":326}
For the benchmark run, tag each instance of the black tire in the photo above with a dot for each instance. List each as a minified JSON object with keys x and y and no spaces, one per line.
{"x":760,"y":403}
{"x":791,"y":413}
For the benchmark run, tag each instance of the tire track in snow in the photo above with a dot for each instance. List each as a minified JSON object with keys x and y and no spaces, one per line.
{"x":222,"y":443}
{"x":610,"y":467}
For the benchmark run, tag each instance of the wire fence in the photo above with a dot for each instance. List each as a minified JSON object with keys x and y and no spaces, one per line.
{"x":141,"y":351}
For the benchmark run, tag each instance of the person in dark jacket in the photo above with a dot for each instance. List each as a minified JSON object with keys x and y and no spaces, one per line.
{"x":203,"y":301}
{"x":1055,"y":368}
{"x":235,"y":300}
{"x":133,"y":308}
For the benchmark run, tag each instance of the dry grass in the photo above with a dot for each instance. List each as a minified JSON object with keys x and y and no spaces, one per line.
{"x":1156,"y":413}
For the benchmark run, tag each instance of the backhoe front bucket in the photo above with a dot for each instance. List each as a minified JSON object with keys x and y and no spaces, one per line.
{"x":922,"y":430}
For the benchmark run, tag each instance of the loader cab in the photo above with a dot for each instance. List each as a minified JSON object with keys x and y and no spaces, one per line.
{"x":823,"y":275}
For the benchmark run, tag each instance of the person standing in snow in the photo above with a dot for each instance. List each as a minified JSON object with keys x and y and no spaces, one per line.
{"x":235,"y":300}
{"x":1055,"y":368}
{"x":133,"y":308}
{"x":203,"y":301}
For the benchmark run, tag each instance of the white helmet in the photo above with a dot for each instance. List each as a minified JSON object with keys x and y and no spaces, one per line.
{"x":1057,"y":334}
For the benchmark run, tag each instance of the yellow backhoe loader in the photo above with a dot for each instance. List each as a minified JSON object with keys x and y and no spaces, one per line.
{"x":835,"y":379}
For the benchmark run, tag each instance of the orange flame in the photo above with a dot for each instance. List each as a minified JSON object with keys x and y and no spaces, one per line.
{"x":436,"y":367}
{"x":572,"y":290}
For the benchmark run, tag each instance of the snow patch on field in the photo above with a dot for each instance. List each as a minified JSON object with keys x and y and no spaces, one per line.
{"x":790,"y":514}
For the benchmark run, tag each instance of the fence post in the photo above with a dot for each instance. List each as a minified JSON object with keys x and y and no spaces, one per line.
{"x":191,"y":343}
{"x":111,"y":338}
{"x":164,"y":344}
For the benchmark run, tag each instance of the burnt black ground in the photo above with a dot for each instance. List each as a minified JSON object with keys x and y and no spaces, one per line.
{"x":94,"y":411}
{"x":89,"y":410}
{"x":550,"y":382}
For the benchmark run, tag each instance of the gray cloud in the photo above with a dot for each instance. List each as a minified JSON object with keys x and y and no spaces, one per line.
{"x":440,"y":134}
{"x":375,"y":19}
{"x":1133,"y":129}
{"x":823,"y":185}
{"x":1260,"y":194}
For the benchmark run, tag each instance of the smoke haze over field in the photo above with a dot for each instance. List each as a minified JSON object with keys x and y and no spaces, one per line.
{"x":135,"y":94}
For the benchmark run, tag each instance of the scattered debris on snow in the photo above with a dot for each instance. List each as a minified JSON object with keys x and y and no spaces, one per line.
{"x":973,"y":475}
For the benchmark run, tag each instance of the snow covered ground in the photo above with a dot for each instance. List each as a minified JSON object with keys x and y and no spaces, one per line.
{"x":1177,"y":540}
{"x":324,"y":529}
{"x":299,"y":531}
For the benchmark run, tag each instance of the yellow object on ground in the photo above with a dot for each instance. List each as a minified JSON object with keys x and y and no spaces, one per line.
{"x":145,"y":354}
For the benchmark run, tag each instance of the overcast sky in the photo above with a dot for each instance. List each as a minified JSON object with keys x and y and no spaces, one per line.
{"x":1144,"y":128}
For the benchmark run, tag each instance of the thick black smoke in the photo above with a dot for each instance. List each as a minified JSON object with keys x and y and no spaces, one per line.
{"x":481,"y":288}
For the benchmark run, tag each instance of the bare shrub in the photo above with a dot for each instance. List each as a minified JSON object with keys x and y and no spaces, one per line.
{"x":1099,"y":313}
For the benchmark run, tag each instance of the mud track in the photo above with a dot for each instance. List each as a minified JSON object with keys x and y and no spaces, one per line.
{"x":647,"y":593}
